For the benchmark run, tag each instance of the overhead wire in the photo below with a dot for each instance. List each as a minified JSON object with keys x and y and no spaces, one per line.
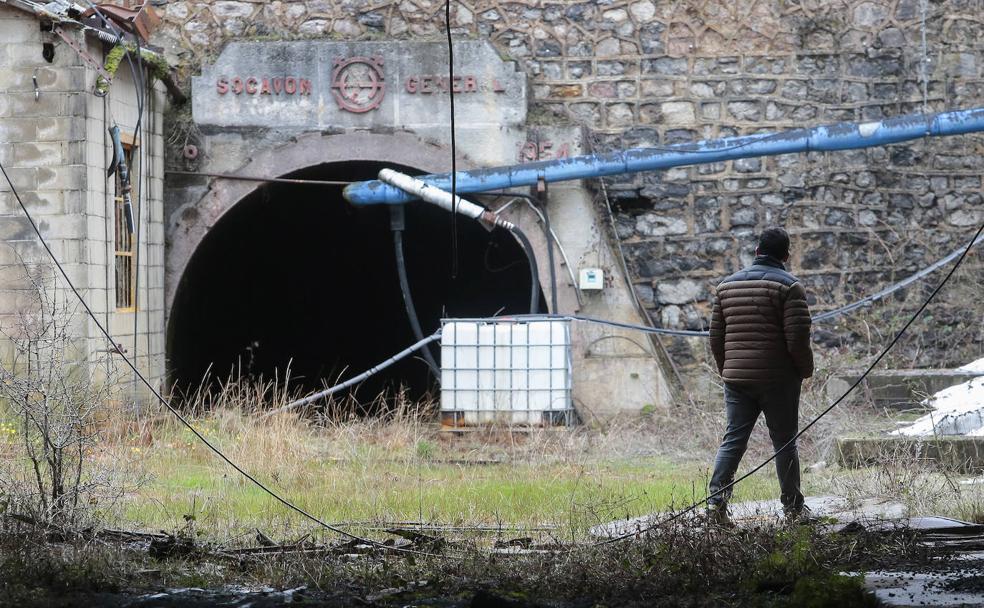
{"x":820,"y":318}
{"x":141,"y":155}
{"x":184,"y":421}
{"x":137,"y":74}
{"x":552,"y":234}
{"x":272,"y":180}
{"x":454,"y":146}
{"x":963,"y":253}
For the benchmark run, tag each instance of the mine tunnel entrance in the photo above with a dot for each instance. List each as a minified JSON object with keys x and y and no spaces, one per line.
{"x":295,"y":276}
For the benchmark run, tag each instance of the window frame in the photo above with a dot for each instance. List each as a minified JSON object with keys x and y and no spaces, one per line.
{"x":124,"y":243}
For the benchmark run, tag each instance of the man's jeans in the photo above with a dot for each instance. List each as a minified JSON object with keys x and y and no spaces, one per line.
{"x":743,"y":402}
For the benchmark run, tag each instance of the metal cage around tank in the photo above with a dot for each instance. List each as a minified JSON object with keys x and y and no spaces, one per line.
{"x":508,"y":370}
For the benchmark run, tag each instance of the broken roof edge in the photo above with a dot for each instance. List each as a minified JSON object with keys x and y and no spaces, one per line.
{"x":64,"y":18}
{"x":38,"y":9}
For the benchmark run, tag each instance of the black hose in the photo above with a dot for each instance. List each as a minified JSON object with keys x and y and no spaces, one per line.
{"x":138,"y":76}
{"x":534,"y":274}
{"x":550,"y":256}
{"x":396,"y":223}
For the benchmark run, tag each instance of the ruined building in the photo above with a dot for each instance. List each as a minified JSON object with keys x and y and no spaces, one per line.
{"x":55,"y":146}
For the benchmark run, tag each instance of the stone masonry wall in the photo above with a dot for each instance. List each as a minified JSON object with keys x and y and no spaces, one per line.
{"x":649,"y":73}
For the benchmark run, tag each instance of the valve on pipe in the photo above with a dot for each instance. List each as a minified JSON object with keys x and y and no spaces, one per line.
{"x":455,"y":204}
{"x":443,"y":199}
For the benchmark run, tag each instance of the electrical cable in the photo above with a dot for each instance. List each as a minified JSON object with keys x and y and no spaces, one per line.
{"x":406,"y":352}
{"x":541,"y":201}
{"x":136,"y":73}
{"x":140,"y":85}
{"x":534,"y":274}
{"x":552,"y":235}
{"x":682,"y":333}
{"x":272,"y":180}
{"x":454,"y":146}
{"x":820,"y":318}
{"x":397,"y":219}
{"x":655,"y":339}
{"x":792,"y":442}
{"x":550,"y":253}
{"x":184,"y":421}
{"x":896,"y":286}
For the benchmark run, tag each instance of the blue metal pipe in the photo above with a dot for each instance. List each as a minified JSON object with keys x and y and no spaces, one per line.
{"x":841,"y":136}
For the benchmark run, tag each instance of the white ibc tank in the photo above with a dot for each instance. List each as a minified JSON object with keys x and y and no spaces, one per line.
{"x":510,"y":370}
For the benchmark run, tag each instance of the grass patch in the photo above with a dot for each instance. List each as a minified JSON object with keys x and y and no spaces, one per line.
{"x":442,"y":484}
{"x":546,"y":487}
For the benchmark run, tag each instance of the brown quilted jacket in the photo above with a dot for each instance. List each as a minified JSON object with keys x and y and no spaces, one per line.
{"x":760,"y":327}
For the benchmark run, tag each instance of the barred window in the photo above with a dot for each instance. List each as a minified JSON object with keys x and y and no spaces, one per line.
{"x":124,"y":241}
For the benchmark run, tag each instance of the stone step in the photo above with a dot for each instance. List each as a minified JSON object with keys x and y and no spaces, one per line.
{"x":956,"y":453}
{"x":897,"y":388}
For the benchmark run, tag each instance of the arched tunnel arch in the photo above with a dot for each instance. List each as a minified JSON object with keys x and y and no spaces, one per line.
{"x":292,"y":275}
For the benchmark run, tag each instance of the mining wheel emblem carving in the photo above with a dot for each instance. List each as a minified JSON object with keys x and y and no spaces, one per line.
{"x":358,"y":84}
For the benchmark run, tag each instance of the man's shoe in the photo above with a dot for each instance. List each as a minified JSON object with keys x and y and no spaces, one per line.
{"x":717,"y":515}
{"x":799,"y":515}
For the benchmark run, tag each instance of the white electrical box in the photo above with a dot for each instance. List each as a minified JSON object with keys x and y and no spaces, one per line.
{"x":592,"y":279}
{"x":506,"y":370}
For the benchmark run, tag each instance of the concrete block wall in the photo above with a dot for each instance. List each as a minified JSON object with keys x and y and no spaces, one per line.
{"x":55,"y":148}
{"x":144,"y":342}
{"x":647,"y":73}
{"x":42,"y":148}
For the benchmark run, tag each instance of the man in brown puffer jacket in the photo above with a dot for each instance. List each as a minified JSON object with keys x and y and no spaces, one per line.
{"x":760,"y":337}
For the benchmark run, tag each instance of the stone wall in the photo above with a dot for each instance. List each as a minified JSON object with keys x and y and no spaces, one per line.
{"x":647,"y":73}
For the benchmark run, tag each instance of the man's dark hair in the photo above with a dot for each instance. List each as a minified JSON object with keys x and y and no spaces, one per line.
{"x":774,"y":242}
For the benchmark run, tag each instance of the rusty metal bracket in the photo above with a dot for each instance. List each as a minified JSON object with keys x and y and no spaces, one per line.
{"x":86,"y":57}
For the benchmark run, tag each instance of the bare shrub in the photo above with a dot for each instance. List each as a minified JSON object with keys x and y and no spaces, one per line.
{"x":53,"y":401}
{"x":923,"y":486}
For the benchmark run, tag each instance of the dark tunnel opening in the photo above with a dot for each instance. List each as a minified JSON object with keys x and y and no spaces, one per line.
{"x":295,"y":276}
